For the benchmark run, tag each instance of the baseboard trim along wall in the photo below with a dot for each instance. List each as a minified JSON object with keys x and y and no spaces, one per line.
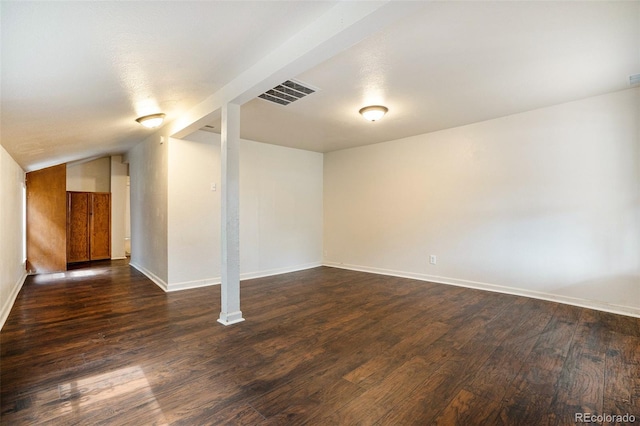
{"x":8,"y":304}
{"x":153,"y":277}
{"x":278,"y":271}
{"x":583,"y":303}
{"x":186,"y":285}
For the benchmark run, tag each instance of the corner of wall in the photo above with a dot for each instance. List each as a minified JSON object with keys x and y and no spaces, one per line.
{"x":148,"y":169}
{"x":153,"y":277}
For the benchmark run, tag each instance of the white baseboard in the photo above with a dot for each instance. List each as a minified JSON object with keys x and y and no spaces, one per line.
{"x":583,"y":303}
{"x":119,"y":258}
{"x":278,"y":271}
{"x":153,"y":277}
{"x":186,"y":285}
{"x":8,"y":304}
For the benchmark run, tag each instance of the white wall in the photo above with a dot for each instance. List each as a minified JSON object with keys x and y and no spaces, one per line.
{"x":194,"y":210}
{"x":281,"y":192}
{"x":544,"y":203}
{"x":89,"y":176}
{"x":149,"y":179}
{"x":119,"y":192}
{"x":127,"y":218}
{"x":280,"y":210}
{"x":12,"y":267}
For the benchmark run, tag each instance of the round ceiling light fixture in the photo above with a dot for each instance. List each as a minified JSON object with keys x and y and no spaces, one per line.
{"x":151,"y":121}
{"x":374,"y":112}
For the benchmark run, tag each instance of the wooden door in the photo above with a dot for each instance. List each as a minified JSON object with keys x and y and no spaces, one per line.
{"x":78,"y":209}
{"x":47,"y":220}
{"x":100,"y":225}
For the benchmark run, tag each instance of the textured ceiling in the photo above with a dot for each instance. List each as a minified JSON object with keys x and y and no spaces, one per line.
{"x":75,"y":75}
{"x":456,"y":63}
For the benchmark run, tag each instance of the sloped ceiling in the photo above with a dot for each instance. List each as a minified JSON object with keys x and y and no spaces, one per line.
{"x":76,"y":75}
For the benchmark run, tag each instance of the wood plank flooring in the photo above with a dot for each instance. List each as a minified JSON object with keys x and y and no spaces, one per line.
{"x":104,"y":345}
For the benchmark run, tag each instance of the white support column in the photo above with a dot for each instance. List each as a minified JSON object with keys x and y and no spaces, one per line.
{"x":230,"y":196}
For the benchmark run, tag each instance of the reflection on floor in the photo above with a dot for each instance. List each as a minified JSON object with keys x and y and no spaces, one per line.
{"x":101,"y":344}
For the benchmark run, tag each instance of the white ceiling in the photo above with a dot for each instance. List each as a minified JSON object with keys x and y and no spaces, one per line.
{"x":76,"y":75}
{"x":456,"y":63}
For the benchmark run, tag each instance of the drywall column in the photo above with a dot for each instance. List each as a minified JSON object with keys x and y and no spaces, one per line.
{"x":230,"y":216}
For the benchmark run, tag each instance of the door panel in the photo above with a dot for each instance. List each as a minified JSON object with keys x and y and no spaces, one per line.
{"x":78,"y":227}
{"x":47,"y":220}
{"x":100,"y":225}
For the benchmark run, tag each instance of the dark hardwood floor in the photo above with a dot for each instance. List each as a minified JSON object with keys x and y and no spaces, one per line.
{"x":104,"y":345}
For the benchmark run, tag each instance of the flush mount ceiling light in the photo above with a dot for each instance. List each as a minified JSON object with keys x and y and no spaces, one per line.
{"x":374,"y":112}
{"x":151,"y":121}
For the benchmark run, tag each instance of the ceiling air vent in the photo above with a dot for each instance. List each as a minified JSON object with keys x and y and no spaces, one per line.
{"x":287,"y":92}
{"x":634,"y":80}
{"x":209,"y":128}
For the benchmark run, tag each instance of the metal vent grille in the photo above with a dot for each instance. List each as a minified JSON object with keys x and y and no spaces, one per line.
{"x":209,"y":128}
{"x":287,"y":92}
{"x":634,"y":80}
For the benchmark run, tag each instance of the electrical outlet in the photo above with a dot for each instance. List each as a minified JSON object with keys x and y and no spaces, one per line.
{"x":214,"y":186}
{"x":433,"y":259}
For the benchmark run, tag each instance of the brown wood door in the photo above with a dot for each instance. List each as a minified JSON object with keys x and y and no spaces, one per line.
{"x":100,"y":225}
{"x":47,"y":220}
{"x":78,"y":227}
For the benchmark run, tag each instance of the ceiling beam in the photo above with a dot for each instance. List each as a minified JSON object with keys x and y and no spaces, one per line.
{"x":341,"y":27}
